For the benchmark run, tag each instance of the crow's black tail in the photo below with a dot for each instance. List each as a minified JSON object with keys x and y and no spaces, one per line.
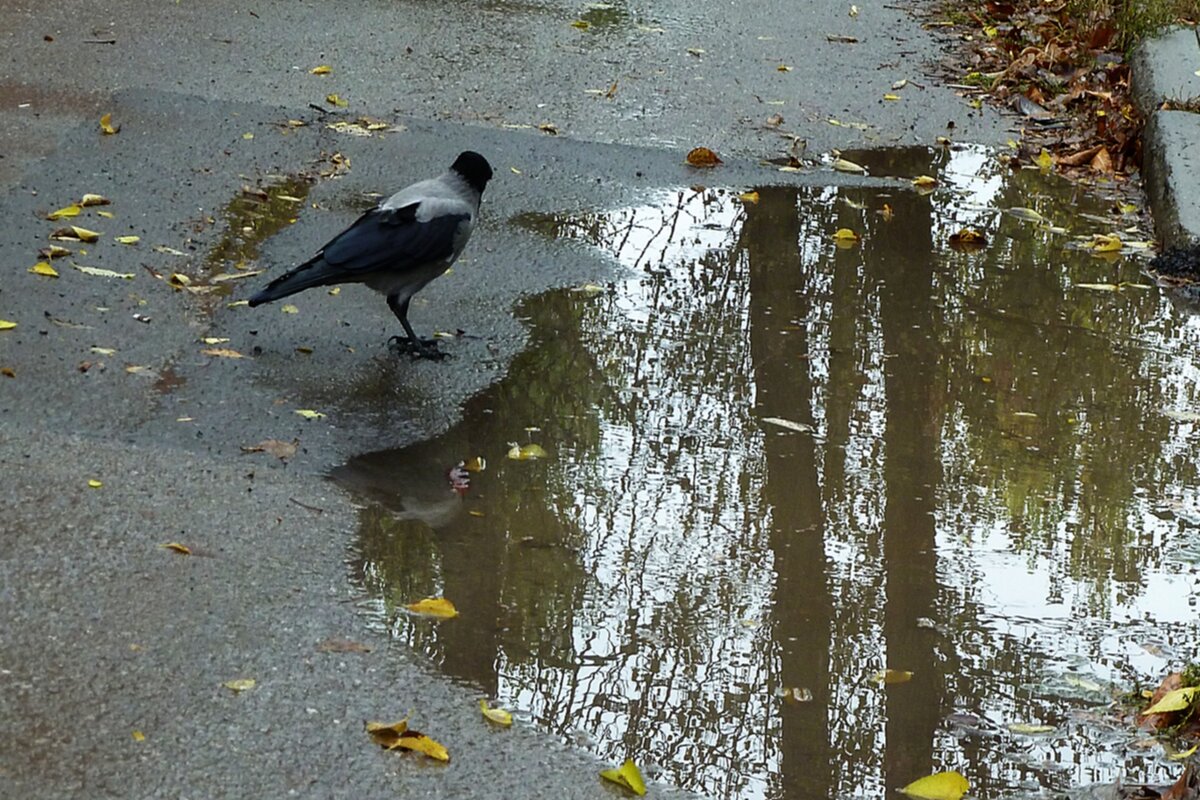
{"x":309,"y":274}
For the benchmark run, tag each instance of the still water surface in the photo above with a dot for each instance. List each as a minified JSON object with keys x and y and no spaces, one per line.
{"x":998,"y":493}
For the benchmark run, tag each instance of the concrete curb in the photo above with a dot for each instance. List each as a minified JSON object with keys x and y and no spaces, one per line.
{"x":1164,"y":73}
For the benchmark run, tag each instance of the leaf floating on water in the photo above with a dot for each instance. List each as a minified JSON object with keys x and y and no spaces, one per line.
{"x":628,"y":776}
{"x":434,"y":607}
{"x":323,"y":69}
{"x":66,"y":211}
{"x":1025,"y":214}
{"x":1045,"y":161}
{"x":1185,"y":754}
{"x":703,"y":157}
{"x":526,"y":452}
{"x":968,"y":239}
{"x":1174,"y":700}
{"x":1099,"y":287}
{"x":75,"y":234}
{"x":94,"y":200}
{"x":844,"y":165}
{"x":44,"y":268}
{"x":924,"y":182}
{"x":845,"y":235}
{"x":308,"y":413}
{"x":590,"y":289}
{"x":182,"y":549}
{"x":239,"y":685}
{"x":798,"y":427}
{"x":1029,"y":729}
{"x":891,"y":676}
{"x":1106,"y":243}
{"x":748,"y":197}
{"x":103,"y":273}
{"x":476,"y":464}
{"x":221,"y":352}
{"x":128,"y":239}
{"x":939,"y":786}
{"x":496,"y":715}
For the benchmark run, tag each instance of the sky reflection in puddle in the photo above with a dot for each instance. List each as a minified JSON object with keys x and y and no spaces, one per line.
{"x":998,"y":494}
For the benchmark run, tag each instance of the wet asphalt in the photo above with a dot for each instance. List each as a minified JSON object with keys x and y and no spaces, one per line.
{"x":104,"y":633}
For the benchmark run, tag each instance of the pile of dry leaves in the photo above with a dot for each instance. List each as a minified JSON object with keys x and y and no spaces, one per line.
{"x":1062,"y":72}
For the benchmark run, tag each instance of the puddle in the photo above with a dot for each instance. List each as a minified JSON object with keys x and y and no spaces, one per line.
{"x":998,"y":494}
{"x":254,"y":215}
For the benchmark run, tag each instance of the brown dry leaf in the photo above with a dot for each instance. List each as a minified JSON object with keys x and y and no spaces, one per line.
{"x":612,"y":91}
{"x":221,"y":352}
{"x":8,"y":372}
{"x":702,"y":157}
{"x":968,"y":239}
{"x":548,"y":127}
{"x":844,"y":165}
{"x":338,"y":645}
{"x":476,"y":464}
{"x":887,"y":213}
{"x":106,"y":126}
{"x":276,"y":447}
{"x":182,"y":549}
{"x":1102,"y":162}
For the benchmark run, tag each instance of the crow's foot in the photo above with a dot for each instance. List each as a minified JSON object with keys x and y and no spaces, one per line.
{"x":417,"y":348}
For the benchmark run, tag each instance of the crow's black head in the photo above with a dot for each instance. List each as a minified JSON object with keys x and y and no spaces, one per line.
{"x":474,"y":168}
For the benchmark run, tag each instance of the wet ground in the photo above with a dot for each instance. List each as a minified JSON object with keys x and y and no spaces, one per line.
{"x":775,"y":466}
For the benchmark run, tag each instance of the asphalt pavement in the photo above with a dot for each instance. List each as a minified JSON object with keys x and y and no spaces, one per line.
{"x":113,"y":649}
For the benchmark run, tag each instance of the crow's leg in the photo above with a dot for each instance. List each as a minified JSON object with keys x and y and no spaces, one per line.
{"x":417,"y":347}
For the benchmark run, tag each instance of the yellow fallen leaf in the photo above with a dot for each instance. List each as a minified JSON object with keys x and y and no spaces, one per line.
{"x":215,"y":339}
{"x":843,"y":165}
{"x":7,"y":325}
{"x":476,"y":464}
{"x":239,"y":685}
{"x":845,"y":235}
{"x":136,"y":369}
{"x":474,"y":512}
{"x":44,"y":268}
{"x":94,"y":200}
{"x":221,"y":352}
{"x":8,"y":372}
{"x":1045,"y":161}
{"x":335,"y":291}
{"x":1174,"y":700}
{"x":581,"y":24}
{"x":247,"y":136}
{"x":103,"y":351}
{"x":75,"y":234}
{"x":1029,"y":729}
{"x":890,"y":676}
{"x":939,"y":786}
{"x":419,"y":742}
{"x":226,"y":277}
{"x":94,"y":484}
{"x":1025,"y":214}
{"x":107,"y":214}
{"x":103,"y":273}
{"x":289,"y":309}
{"x":1099,"y":287}
{"x":386,"y":734}
{"x":548,"y":127}
{"x":968,"y":236}
{"x":496,"y":715}
{"x":106,"y":126}
{"x":434,"y":607}
{"x":889,"y":96}
{"x":628,"y":776}
{"x":237,"y":303}
{"x":138,"y":736}
{"x":783,"y":68}
{"x":336,"y":100}
{"x":1106,"y":243}
{"x":66,"y":211}
{"x":308,"y":413}
{"x":924,"y":182}
{"x":54,"y":251}
{"x":323,"y":69}
{"x":748,"y":197}
{"x":702,"y":157}
{"x":1185,"y":754}
{"x":526,"y":452}
{"x":182,"y":549}
{"x":128,"y":239}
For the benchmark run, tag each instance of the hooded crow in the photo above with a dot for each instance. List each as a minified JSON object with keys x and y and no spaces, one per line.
{"x":399,"y":246}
